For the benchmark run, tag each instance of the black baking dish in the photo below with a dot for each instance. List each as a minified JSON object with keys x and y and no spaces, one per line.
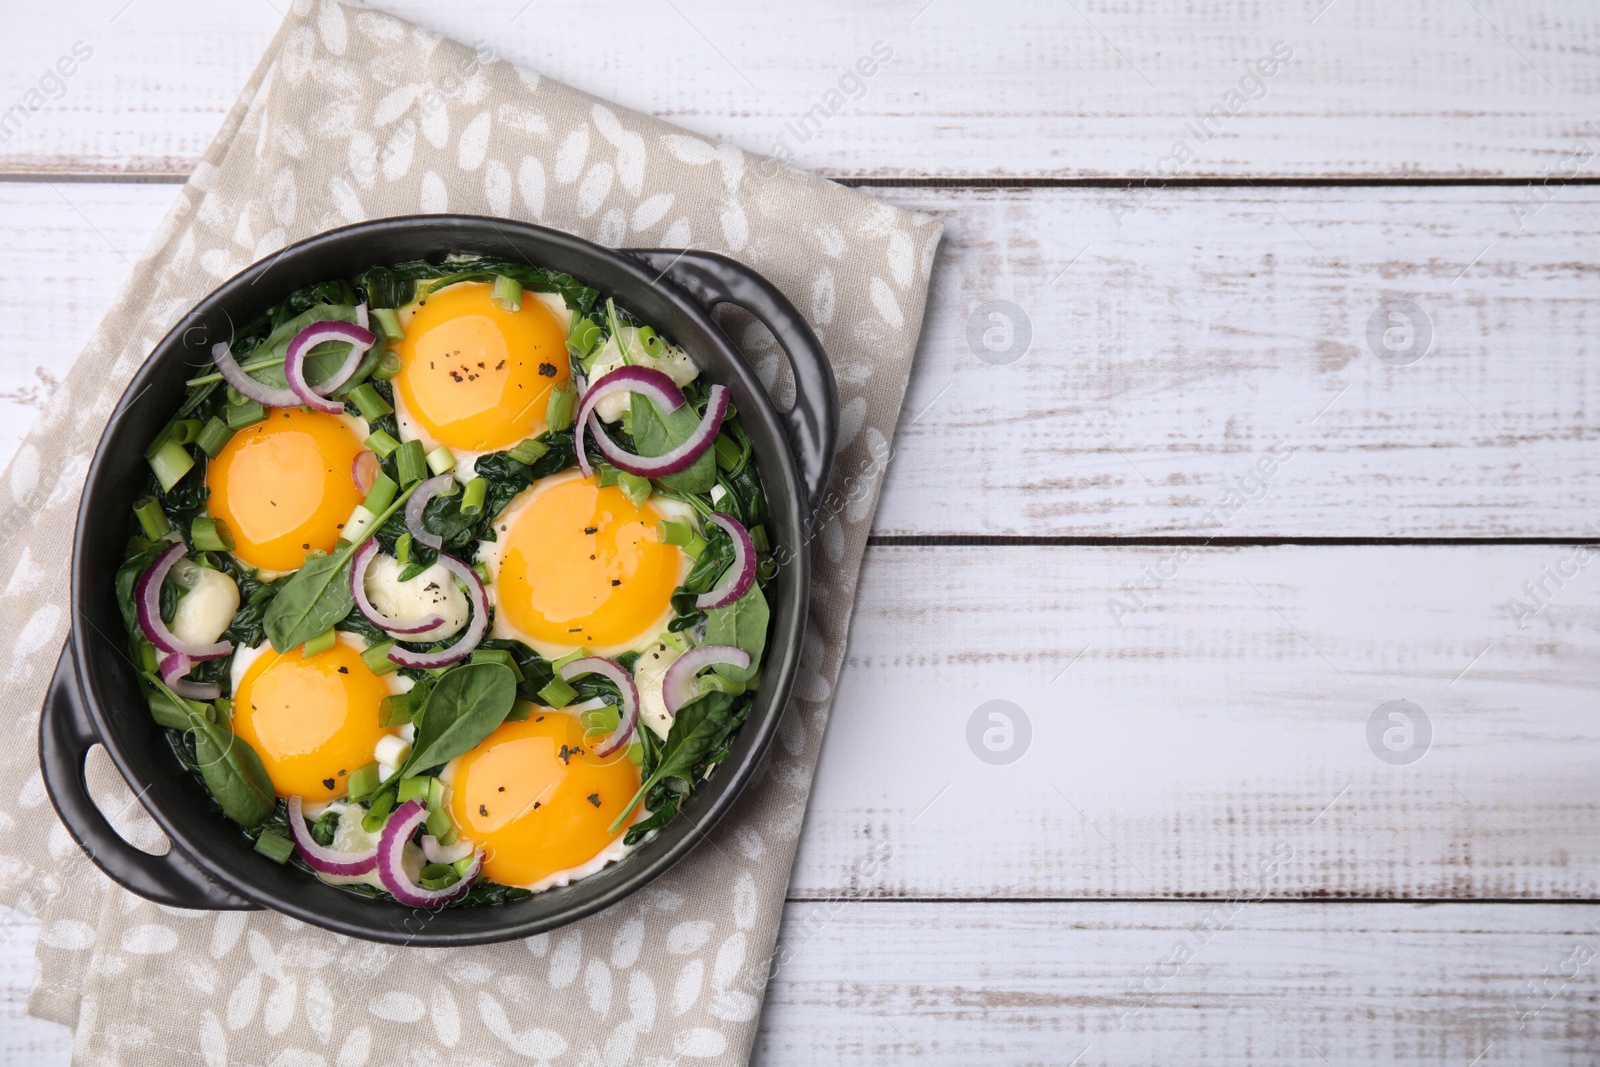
{"x":94,"y":698}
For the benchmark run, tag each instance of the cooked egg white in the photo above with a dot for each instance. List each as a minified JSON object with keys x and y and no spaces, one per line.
{"x":577,"y":565}
{"x":648,"y":675}
{"x":624,"y":348}
{"x":477,"y":378}
{"x":432,"y":592}
{"x":350,"y":836}
{"x":312,"y":721}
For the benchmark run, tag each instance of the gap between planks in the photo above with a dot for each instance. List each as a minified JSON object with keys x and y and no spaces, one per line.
{"x":178,"y":177}
{"x":1182,"y":541}
{"x":1198,"y":898}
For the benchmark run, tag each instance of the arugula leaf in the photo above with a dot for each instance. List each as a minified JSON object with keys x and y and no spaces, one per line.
{"x":311,"y":602}
{"x":656,"y":432}
{"x":742,"y":624}
{"x":466,"y":705}
{"x":697,"y":730}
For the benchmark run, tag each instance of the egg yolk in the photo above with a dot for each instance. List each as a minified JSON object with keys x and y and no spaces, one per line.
{"x":537,"y":800}
{"x":582,"y":565}
{"x":477,"y":377}
{"x":312,"y":721}
{"x":284,"y":486}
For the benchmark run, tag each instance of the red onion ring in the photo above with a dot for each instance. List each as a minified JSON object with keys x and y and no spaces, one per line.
{"x":674,"y":460}
{"x":364,"y":470}
{"x":437,"y":853}
{"x":147,"y":594}
{"x":246,"y":386}
{"x":741,"y":572}
{"x":656,"y":385}
{"x":391,"y":846}
{"x":666,"y":395}
{"x":294,"y":362}
{"x":612,"y":671}
{"x":419,"y":501}
{"x":677,"y":687}
{"x":479,"y":625}
{"x":173,"y":671}
{"x":321,"y":858}
{"x":353,"y":360}
{"x":358,"y":589}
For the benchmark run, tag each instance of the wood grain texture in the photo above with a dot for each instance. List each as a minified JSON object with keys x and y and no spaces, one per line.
{"x":1285,"y":985}
{"x":1039,"y":983}
{"x":1026,"y":90}
{"x":24,"y":1040}
{"x":1177,"y":746}
{"x":1167,"y":357}
{"x":70,"y":248}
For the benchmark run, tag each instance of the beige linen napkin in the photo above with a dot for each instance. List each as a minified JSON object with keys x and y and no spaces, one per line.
{"x":352,"y":115}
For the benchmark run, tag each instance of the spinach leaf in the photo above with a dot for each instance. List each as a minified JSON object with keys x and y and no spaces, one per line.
{"x":664,"y":812}
{"x":656,"y":432}
{"x":166,"y":711}
{"x":230,"y":768}
{"x":714,"y":560}
{"x":485,"y":892}
{"x":186,"y":500}
{"x":386,"y":288}
{"x":742,"y":624}
{"x":698,"y":729}
{"x":232,"y":772}
{"x":357,"y":623}
{"x":311,"y":602}
{"x":537,"y":672}
{"x":128,"y":578}
{"x":465,"y":706}
{"x":323,"y":829}
{"x":323,"y":360}
{"x":218,"y":672}
{"x":255,"y":596}
{"x":506,"y":477}
{"x":745,"y":501}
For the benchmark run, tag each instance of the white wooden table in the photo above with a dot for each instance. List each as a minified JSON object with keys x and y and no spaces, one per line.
{"x":1292,"y":437}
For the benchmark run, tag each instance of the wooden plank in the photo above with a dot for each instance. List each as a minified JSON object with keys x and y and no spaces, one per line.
{"x":1030,"y":90}
{"x":24,"y":1039}
{"x":1252,"y":984}
{"x":1221,"y":362}
{"x":1287,"y":984}
{"x":69,"y":249}
{"x":1166,"y":743}
{"x":1167,"y":361}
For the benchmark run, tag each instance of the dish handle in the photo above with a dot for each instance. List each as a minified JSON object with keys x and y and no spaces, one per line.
{"x":66,"y":733}
{"x":813,"y":422}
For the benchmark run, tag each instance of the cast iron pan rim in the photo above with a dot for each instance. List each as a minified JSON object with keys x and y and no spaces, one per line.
{"x":734,"y":779}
